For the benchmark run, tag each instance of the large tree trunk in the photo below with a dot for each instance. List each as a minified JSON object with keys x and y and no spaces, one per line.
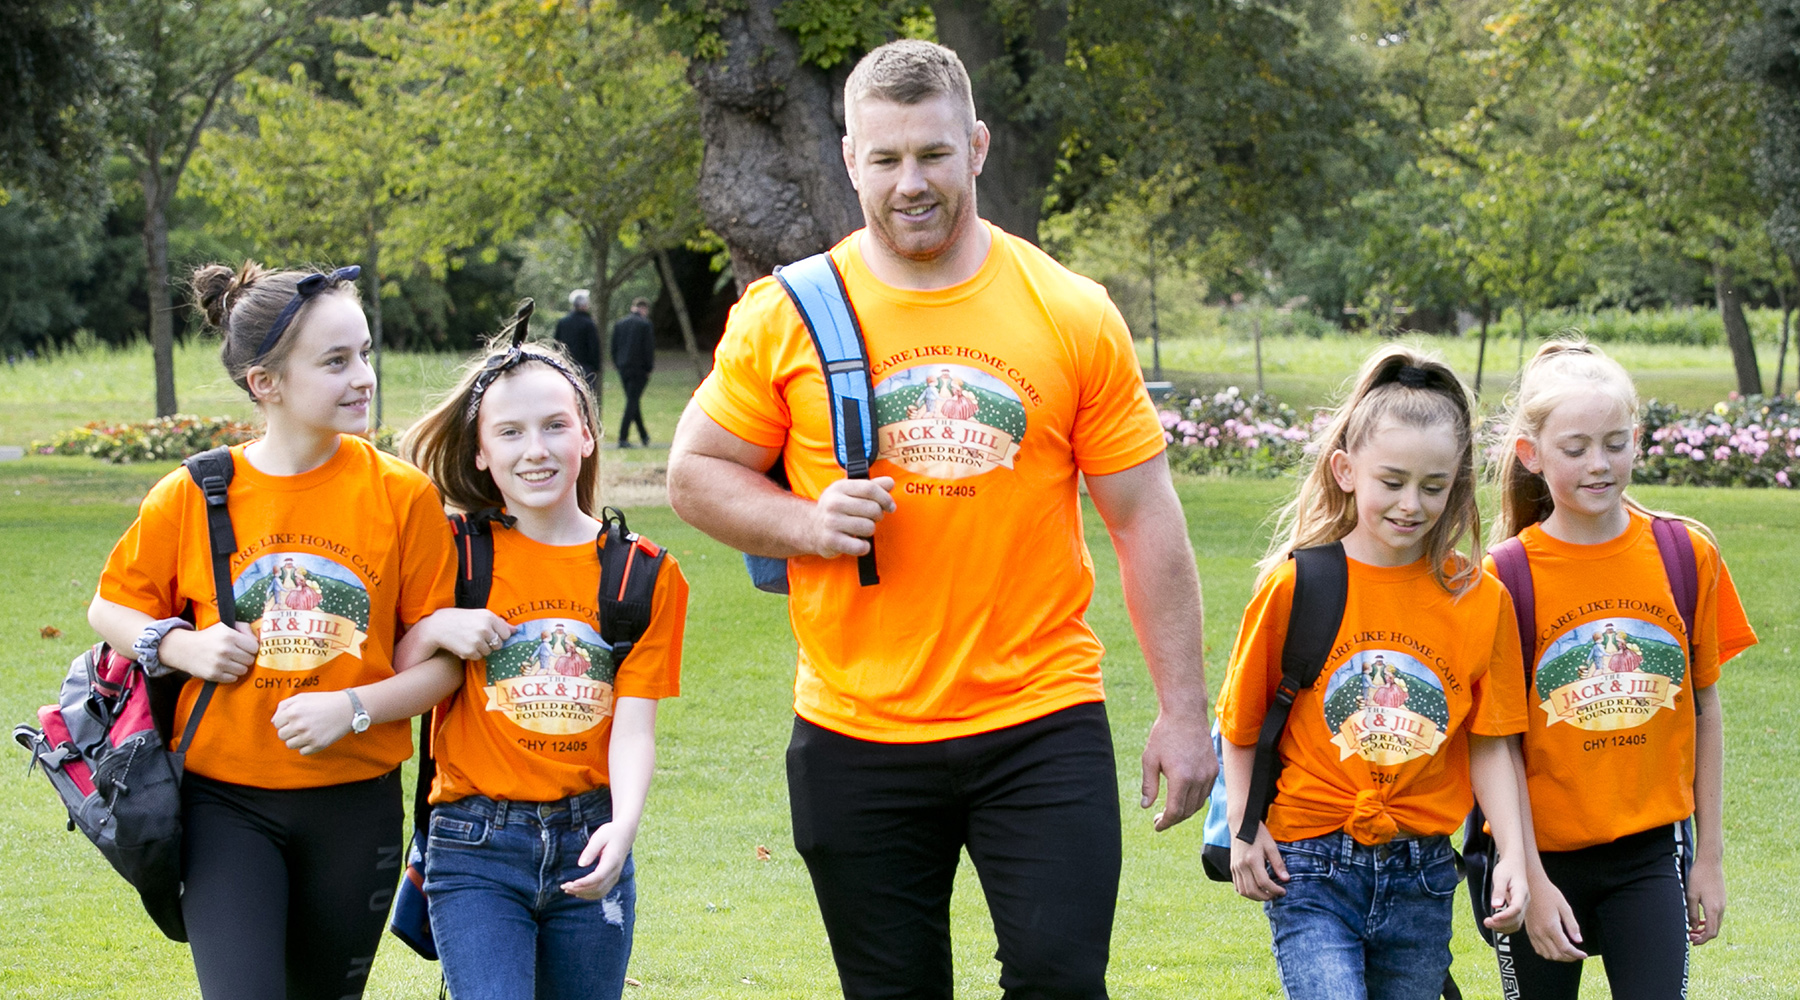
{"x":1737,"y":330}
{"x":156,"y":289}
{"x":1004,"y":60}
{"x":772,"y":180}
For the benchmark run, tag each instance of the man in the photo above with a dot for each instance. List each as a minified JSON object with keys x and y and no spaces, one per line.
{"x":634,"y":355}
{"x":957,"y":703}
{"x":580,"y":336}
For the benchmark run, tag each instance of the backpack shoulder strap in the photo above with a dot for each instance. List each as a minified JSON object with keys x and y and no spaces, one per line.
{"x":1676,"y":547}
{"x":475,"y":554}
{"x":1321,"y":588}
{"x":818,"y":292}
{"x":1514,"y":571}
{"x":629,"y":567}
{"x":212,"y":471}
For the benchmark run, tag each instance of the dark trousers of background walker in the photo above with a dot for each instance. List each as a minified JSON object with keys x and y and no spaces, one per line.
{"x":1631,"y":905}
{"x":634,"y":383}
{"x":881,"y":827}
{"x":286,"y":891}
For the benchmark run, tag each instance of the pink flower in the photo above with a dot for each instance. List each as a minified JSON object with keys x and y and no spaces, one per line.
{"x":1656,"y":449}
{"x":1782,"y":478}
{"x":1721,"y":453}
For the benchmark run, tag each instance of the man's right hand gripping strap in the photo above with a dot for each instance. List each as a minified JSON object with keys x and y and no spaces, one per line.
{"x":1321,"y":586}
{"x":818,"y":292}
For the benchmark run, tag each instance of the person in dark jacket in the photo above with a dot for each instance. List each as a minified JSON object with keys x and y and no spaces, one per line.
{"x":634,"y":355}
{"x":580,"y":336}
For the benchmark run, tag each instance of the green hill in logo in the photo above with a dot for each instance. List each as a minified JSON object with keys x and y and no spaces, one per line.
{"x":1659,"y":658}
{"x":1422,"y":697}
{"x":335,"y":598}
{"x":517,"y":659}
{"x":994,"y":409}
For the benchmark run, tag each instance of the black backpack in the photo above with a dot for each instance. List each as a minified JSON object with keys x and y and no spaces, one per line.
{"x":629,"y":567}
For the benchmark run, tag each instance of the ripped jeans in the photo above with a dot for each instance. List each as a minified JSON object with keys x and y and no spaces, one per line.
{"x":504,"y":927}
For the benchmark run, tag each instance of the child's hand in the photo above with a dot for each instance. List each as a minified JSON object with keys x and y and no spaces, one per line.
{"x":609,"y":845}
{"x":1511,"y":894}
{"x":1252,"y":865}
{"x":313,"y":721}
{"x":469,"y":634}
{"x":216,"y":653}
{"x":1705,"y":900}
{"x":1550,"y":923}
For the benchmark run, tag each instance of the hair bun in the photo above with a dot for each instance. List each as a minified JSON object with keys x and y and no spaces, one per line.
{"x":216,"y":289}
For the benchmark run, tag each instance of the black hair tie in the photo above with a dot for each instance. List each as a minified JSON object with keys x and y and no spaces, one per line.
{"x":1414,"y":377}
{"x":514,"y":356}
{"x":304,"y":290}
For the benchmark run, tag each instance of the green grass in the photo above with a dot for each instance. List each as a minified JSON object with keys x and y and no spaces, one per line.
{"x":1308,"y":371}
{"x":715,"y":922}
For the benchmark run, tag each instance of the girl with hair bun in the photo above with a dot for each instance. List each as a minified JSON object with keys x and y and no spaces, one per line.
{"x":1416,"y":706}
{"x":286,"y":856}
{"x":1626,"y":741}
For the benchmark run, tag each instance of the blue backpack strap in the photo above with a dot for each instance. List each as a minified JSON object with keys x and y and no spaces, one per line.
{"x":817,"y":291}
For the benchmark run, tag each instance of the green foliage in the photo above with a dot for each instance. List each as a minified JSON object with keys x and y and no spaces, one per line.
{"x":1230,"y":433}
{"x":831,"y":31}
{"x":165,"y":439}
{"x":56,"y":77}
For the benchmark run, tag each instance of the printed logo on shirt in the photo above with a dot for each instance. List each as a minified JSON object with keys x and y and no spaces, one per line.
{"x":1610,"y":674}
{"x":947,"y":421}
{"x":305,"y":610}
{"x":553,"y":676}
{"x":1386,"y":707}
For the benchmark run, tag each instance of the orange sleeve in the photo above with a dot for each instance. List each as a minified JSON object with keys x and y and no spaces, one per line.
{"x":1497,"y":693}
{"x":143,"y":571}
{"x":427,"y":559}
{"x":1115,"y":425}
{"x":1724,"y":630}
{"x":740,"y":395}
{"x":1255,"y":670}
{"x":653,"y":670}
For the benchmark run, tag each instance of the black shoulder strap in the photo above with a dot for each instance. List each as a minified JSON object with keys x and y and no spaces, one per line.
{"x":211,"y":471}
{"x":1321,"y":586}
{"x":629,"y":566}
{"x":475,"y":555}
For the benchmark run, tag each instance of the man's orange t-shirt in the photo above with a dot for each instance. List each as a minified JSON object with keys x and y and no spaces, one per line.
{"x":329,"y":563}
{"x":532,"y":722}
{"x":1610,"y":751}
{"x":1380,"y":743}
{"x":990,"y":397}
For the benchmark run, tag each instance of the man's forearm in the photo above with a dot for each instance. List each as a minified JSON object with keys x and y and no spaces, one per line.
{"x":1162,"y":593}
{"x":736,"y":505}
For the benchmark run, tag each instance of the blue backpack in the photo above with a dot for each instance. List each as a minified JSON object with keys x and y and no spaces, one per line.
{"x":817,"y":291}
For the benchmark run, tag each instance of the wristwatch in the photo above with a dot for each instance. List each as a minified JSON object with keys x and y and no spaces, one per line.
{"x":359,"y":719}
{"x":148,"y":645}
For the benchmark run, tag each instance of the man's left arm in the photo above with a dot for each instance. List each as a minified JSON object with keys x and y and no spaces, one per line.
{"x":1162,"y":592}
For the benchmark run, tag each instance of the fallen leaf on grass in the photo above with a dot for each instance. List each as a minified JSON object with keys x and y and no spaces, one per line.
{"x":50,"y":632}
{"x":632,"y":982}
{"x":762,"y":853}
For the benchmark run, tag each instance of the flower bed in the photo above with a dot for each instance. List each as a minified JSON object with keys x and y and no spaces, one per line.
{"x":1744,"y":441}
{"x":1235,"y":434}
{"x":165,"y":439}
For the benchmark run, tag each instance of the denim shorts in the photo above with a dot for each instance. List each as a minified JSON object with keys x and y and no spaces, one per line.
{"x":1362,"y":921}
{"x":504,"y":927}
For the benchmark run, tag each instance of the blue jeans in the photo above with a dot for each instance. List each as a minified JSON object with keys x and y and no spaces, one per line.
{"x":505,"y":929}
{"x":1364,"y":923}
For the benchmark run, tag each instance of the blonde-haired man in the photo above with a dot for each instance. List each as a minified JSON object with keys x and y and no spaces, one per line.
{"x":956,"y":704}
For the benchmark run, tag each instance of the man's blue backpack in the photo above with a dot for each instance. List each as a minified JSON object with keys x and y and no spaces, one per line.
{"x":817,"y":291}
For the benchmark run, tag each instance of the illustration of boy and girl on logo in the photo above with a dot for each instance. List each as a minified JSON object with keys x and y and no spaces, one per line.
{"x":944,"y":396}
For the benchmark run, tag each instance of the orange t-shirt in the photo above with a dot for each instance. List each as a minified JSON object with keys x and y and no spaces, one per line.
{"x":1380,"y":742}
{"x":329,"y":562}
{"x":990,"y":397}
{"x":531,"y":723}
{"x":1610,"y":751}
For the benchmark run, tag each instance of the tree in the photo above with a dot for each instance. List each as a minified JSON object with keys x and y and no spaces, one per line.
{"x":54,"y":75}
{"x":179,"y":58}
{"x":1768,"y":53}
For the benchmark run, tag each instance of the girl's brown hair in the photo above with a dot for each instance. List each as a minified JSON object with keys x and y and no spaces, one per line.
{"x":1407,"y":386}
{"x":1562,"y":369}
{"x":243,"y":305}
{"x":445,"y":442}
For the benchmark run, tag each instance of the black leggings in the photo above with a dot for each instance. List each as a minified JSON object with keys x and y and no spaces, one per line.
{"x":1631,"y":905}
{"x":285,"y":892}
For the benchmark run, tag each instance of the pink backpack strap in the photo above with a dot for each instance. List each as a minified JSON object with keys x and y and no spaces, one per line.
{"x":1676,"y":547}
{"x":1514,"y":571}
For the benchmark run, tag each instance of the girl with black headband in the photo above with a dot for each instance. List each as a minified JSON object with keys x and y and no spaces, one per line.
{"x":545,"y":749}
{"x":1417,"y":703}
{"x":287,"y":857}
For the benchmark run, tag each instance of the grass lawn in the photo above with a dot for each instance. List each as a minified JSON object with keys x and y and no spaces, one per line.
{"x":714,"y":921}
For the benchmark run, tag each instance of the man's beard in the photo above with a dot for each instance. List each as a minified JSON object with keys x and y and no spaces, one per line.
{"x":884,"y":230}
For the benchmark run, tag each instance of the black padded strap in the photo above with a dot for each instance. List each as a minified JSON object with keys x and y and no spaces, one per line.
{"x":475,"y":554}
{"x":858,"y":468}
{"x":212,"y":471}
{"x":629,"y":567}
{"x":1321,"y":585}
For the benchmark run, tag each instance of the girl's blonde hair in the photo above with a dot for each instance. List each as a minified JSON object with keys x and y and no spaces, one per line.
{"x":1414,"y":389}
{"x":1562,"y":369}
{"x":445,"y":442}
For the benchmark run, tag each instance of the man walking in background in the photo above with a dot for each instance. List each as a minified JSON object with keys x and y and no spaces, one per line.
{"x":578,"y":334}
{"x":634,"y":355}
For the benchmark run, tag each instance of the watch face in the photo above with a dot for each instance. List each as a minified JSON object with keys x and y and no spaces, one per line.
{"x":360,"y":723}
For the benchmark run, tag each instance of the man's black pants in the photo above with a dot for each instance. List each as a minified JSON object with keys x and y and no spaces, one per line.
{"x":881,"y":827}
{"x":634,"y":383}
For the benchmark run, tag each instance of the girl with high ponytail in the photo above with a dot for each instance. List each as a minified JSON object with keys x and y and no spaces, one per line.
{"x":1415,"y":708}
{"x":340,"y":548}
{"x":1622,"y":764}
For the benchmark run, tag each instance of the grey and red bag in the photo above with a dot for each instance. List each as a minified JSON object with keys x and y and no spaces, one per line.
{"x":105,"y":744}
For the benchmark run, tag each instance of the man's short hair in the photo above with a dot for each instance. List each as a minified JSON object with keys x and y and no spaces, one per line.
{"x":909,"y":71}
{"x":578,"y":299}
{"x":640,"y":303}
